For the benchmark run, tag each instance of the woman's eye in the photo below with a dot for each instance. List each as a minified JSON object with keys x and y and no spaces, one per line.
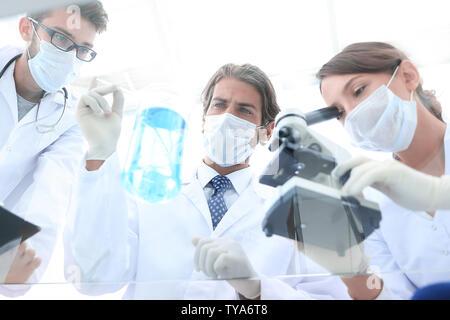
{"x":359,"y":91}
{"x":219,"y":105}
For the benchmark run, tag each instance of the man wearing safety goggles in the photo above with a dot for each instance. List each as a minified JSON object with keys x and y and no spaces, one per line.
{"x":40,"y":142}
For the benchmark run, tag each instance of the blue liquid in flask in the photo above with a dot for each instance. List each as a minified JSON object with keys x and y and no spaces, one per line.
{"x":153,"y":166}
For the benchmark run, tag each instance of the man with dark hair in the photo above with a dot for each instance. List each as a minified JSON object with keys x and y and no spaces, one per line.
{"x":211,"y":230}
{"x":93,"y":12}
{"x":40,"y":141}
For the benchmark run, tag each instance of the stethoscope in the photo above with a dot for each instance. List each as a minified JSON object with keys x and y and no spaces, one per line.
{"x":46,"y":128}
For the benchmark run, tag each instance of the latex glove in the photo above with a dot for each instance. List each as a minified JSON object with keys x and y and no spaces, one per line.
{"x":223,"y":258}
{"x":99,"y":122}
{"x":407,"y":187}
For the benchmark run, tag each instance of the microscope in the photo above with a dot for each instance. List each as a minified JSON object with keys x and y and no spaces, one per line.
{"x":307,"y":205}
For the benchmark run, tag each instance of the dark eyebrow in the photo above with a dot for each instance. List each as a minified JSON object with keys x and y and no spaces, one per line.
{"x":67,"y":33}
{"x":349,"y":83}
{"x":241,"y":104}
{"x":244,"y":104}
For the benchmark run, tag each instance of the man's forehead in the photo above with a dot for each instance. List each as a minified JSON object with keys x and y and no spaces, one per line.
{"x":237,"y":87}
{"x":57,"y":16}
{"x":71,"y":24}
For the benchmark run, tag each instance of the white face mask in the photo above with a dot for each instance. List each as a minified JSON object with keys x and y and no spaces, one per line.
{"x":226,"y":139}
{"x":383,"y":121}
{"x":52,"y":68}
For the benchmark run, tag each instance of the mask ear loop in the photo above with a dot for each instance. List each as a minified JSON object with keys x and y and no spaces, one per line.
{"x":393,"y":76}
{"x":395,"y":156}
{"x":258,"y":140}
{"x":35,"y":32}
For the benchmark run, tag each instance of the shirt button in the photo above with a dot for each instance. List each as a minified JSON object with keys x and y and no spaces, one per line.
{"x":8,"y":149}
{"x":445,"y":252}
{"x":434,"y":227}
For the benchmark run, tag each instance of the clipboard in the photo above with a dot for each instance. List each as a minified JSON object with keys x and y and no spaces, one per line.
{"x":14,"y":230}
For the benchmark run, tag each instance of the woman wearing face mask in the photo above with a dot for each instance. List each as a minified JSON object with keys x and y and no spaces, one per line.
{"x":384,"y":108}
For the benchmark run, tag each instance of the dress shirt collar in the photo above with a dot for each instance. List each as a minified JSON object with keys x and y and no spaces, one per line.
{"x":240,"y":179}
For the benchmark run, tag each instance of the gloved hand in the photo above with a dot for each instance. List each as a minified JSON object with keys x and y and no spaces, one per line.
{"x":99,"y":122}
{"x":223,"y":258}
{"x":407,"y":187}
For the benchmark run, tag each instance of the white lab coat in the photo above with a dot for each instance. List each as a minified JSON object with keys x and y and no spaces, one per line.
{"x":37,"y":170}
{"x":410,"y":249}
{"x":114,"y":239}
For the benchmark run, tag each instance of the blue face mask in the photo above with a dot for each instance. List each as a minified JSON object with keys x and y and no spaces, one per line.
{"x":383,"y":121}
{"x":52,"y":68}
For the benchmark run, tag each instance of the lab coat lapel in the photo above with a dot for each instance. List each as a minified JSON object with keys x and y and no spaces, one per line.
{"x":194,"y":192}
{"x":247,"y":202}
{"x":8,"y":91}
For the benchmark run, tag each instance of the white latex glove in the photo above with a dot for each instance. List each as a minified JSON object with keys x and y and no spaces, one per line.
{"x":99,"y":122}
{"x":223,"y":258}
{"x":407,"y":187}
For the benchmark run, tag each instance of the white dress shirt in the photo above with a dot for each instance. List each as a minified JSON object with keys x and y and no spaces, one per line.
{"x":240,"y":180}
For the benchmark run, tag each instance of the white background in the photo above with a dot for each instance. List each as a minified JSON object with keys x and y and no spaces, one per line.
{"x":182,"y":43}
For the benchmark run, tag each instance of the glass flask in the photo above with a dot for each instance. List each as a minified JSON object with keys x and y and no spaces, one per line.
{"x":153,"y":164}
